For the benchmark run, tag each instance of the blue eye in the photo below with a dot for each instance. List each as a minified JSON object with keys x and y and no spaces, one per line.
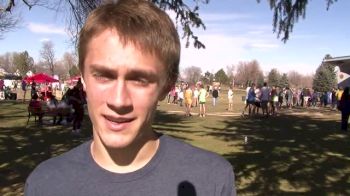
{"x":100,"y":77}
{"x":142,"y":81}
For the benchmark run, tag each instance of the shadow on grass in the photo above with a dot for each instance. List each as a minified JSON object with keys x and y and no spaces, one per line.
{"x":171,"y":124}
{"x":288,"y":155}
{"x":22,"y":148}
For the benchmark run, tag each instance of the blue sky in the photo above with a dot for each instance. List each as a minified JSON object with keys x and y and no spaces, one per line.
{"x":239,"y":30}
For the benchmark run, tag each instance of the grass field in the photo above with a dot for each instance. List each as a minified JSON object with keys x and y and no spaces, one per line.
{"x":299,"y":152}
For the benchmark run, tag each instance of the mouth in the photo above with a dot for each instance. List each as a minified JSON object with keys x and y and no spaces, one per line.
{"x":117,"y":124}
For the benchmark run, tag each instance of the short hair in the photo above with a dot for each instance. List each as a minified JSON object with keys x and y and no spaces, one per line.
{"x":137,"y":22}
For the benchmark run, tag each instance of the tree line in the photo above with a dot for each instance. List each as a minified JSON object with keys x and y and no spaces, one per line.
{"x":64,"y":67}
{"x":245,"y":73}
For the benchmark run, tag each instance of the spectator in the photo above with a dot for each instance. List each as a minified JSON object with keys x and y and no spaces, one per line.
{"x":188,"y":99}
{"x":344,"y":107}
{"x":195,"y":97}
{"x":33,"y":90}
{"x":24,"y":89}
{"x":36,"y":107}
{"x":202,"y":96}
{"x":265,"y":94}
{"x":230,"y":99}
{"x":215,"y":94}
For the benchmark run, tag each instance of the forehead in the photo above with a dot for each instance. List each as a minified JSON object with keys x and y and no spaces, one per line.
{"x":107,"y":49}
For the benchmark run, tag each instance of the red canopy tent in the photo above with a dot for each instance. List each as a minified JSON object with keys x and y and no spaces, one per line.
{"x":73,"y":80}
{"x":40,"y":78}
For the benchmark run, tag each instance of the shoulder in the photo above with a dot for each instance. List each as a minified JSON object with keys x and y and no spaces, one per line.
{"x":57,"y":168}
{"x":192,"y":156}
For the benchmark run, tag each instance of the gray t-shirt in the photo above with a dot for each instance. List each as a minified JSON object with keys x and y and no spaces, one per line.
{"x":176,"y":169}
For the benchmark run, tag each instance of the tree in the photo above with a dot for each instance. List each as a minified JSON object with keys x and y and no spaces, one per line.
{"x":285,"y":14}
{"x":220,"y":76}
{"x":74,"y":71}
{"x":192,"y":74}
{"x":284,"y":81}
{"x":248,"y":72}
{"x":7,"y":23}
{"x":325,"y":78}
{"x":230,"y":71}
{"x":70,"y":60}
{"x":6,"y":62}
{"x":207,"y":78}
{"x":273,"y":77}
{"x":295,"y":79}
{"x":23,"y":62}
{"x":48,"y":55}
{"x":307,"y":81}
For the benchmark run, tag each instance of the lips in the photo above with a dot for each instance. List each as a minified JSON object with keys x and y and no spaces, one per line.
{"x":117,"y":124}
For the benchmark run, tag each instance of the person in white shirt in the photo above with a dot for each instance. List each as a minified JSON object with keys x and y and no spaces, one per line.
{"x":230,"y":99}
{"x":195,"y":97}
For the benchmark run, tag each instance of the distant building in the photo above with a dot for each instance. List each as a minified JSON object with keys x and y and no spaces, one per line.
{"x":342,"y":69}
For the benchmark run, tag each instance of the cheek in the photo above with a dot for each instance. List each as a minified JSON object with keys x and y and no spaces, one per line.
{"x":144,"y":98}
{"x":95,"y":94}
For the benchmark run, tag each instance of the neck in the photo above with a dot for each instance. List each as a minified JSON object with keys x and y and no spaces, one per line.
{"x":128,"y":159}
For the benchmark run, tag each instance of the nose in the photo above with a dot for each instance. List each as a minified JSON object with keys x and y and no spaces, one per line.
{"x":119,"y":99}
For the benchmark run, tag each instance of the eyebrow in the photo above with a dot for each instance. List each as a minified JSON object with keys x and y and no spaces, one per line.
{"x":131,"y":73}
{"x":102,"y":69}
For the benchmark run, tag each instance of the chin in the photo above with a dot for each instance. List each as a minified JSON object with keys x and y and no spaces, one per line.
{"x":117,"y":141}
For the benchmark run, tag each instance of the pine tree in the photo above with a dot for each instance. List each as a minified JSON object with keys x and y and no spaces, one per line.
{"x":221,"y":77}
{"x":283,"y":82}
{"x":325,"y":78}
{"x":273,"y":77}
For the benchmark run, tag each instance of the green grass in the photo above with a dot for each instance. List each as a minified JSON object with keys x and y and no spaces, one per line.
{"x":298,"y":152}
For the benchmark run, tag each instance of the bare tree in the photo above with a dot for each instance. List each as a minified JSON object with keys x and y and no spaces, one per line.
{"x":192,"y":74}
{"x":61,"y":70}
{"x":7,"y":23}
{"x":230,"y":70}
{"x":48,"y":55}
{"x":40,"y":67}
{"x":295,"y":79}
{"x":6,"y":62}
{"x":9,"y":20}
{"x":70,"y":60}
{"x":248,"y":72}
{"x":307,"y":81}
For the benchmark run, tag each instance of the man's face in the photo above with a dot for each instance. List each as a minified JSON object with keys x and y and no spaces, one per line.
{"x":123,"y":87}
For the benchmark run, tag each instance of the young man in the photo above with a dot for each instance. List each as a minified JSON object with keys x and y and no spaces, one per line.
{"x":230,"y":98}
{"x":202,"y":96}
{"x":215,"y":94}
{"x":129,"y":56}
{"x":265,"y":94}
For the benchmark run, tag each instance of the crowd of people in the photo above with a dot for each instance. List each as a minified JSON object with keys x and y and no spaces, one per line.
{"x":194,"y":96}
{"x":271,"y":98}
{"x":265,"y":99}
{"x":70,"y":108}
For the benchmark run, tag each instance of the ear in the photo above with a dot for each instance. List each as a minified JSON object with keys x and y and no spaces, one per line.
{"x":83,"y":82}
